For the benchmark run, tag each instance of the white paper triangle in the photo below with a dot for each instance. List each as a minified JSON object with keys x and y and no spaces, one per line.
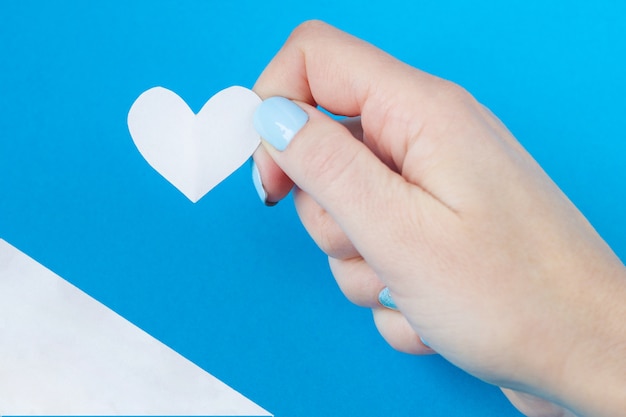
{"x":64,"y":353}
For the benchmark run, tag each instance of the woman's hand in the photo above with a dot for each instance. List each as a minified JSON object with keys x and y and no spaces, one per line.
{"x":430,"y":195}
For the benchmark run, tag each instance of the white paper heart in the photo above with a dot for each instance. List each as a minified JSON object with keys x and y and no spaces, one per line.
{"x":195,"y":152}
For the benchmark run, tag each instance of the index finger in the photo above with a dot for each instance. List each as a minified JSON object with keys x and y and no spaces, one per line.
{"x":321,"y":65}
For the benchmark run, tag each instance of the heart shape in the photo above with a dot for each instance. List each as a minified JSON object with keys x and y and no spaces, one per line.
{"x":195,"y":152}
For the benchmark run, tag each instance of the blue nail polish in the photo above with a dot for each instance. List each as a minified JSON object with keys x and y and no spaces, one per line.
{"x":277,"y":120}
{"x":425,"y":343}
{"x":258,"y":185}
{"x":384,"y":298}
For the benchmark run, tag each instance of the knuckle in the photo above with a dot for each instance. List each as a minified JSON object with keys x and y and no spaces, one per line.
{"x":453,"y":94}
{"x":333,"y":240}
{"x":324,"y":231}
{"x":329,"y":236}
{"x":397,"y":333}
{"x":356,"y":280}
{"x":307,"y":29}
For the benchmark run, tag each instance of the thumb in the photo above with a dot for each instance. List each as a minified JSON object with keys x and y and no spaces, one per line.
{"x":341,"y":173}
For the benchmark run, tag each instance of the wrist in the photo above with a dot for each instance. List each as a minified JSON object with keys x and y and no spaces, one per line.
{"x":590,"y":371}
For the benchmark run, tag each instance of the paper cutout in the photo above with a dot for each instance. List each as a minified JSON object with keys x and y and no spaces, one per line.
{"x":195,"y":152}
{"x":63,"y":353}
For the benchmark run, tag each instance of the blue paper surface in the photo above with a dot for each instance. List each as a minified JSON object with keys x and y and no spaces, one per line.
{"x":234,"y":286}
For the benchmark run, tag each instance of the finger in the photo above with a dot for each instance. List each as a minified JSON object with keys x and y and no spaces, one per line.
{"x":323,"y":229}
{"x":348,"y":181}
{"x":532,"y":406}
{"x":274,"y":183}
{"x":355,"y":126}
{"x":321,"y":65}
{"x":397,"y":331}
{"x":358,"y":282}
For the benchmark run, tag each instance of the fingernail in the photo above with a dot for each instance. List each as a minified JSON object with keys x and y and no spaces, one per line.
{"x":425,"y":343}
{"x":384,"y":298}
{"x":277,"y":120}
{"x":258,"y":185}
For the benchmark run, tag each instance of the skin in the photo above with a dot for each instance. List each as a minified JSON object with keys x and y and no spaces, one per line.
{"x":427,"y":192}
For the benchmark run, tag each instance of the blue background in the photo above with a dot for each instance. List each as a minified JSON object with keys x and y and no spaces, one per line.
{"x":239,"y":288}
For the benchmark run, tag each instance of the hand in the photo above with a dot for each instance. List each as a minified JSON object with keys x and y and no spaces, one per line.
{"x":428,"y":194}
